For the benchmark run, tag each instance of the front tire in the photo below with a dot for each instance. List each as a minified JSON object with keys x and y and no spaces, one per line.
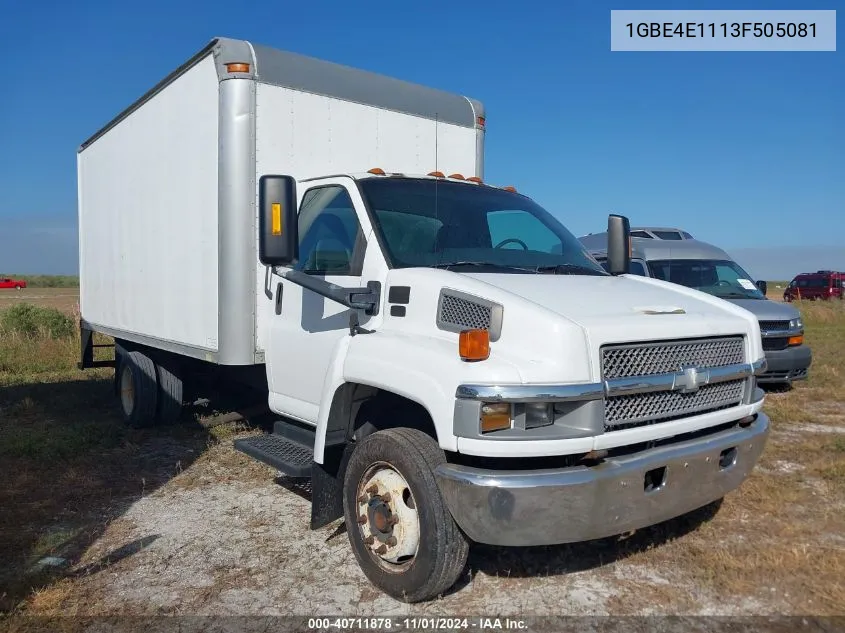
{"x":401,"y":532}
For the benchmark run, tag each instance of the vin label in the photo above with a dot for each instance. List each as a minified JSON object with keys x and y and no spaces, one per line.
{"x":798,"y":30}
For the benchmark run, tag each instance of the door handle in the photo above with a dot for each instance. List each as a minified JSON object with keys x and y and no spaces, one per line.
{"x":279,"y":289}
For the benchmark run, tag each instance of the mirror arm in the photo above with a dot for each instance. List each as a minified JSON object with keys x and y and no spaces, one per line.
{"x":366,"y":299}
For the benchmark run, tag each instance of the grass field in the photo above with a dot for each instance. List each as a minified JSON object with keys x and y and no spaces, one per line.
{"x":79,"y":485}
{"x":64,"y":299}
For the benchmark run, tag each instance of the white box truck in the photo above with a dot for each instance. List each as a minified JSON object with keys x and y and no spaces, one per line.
{"x":448,"y":364}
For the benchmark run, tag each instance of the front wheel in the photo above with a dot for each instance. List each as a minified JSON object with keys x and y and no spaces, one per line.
{"x":401,"y":532}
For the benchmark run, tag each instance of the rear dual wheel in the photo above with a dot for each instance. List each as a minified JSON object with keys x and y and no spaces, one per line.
{"x":148,"y":392}
{"x":401,"y":532}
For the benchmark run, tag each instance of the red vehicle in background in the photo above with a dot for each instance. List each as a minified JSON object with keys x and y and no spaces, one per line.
{"x":17,"y":284}
{"x":824,"y":284}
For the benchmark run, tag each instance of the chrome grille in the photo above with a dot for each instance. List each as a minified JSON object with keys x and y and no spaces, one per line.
{"x":664,"y":405}
{"x":465,"y":313}
{"x":644,"y":359}
{"x":772,"y":326}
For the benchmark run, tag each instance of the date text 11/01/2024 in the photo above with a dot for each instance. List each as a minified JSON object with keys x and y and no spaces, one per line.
{"x":725,"y":29}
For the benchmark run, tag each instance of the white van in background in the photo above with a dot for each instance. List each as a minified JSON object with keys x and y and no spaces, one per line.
{"x":672,"y":254}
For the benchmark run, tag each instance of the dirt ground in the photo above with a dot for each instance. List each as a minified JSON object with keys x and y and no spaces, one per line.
{"x":65,"y":299}
{"x":225,"y":538}
{"x":175,"y":521}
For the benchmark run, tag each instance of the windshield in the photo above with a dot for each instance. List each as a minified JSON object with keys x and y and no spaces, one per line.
{"x":432,"y":223}
{"x":722,"y":278}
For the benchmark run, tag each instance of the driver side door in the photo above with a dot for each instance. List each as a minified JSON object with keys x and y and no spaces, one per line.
{"x":307,"y":329}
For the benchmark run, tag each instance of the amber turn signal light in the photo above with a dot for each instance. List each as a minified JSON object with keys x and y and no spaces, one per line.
{"x":796,"y":340}
{"x":495,"y":416}
{"x":474,"y":345}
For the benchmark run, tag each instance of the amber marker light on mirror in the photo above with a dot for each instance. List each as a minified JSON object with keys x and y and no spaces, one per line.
{"x":276,"y":213}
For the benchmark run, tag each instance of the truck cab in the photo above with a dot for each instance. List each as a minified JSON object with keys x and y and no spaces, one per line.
{"x":707,"y":268}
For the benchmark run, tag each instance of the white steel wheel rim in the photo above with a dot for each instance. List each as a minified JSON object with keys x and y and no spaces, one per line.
{"x":387,"y":517}
{"x":127,"y":390}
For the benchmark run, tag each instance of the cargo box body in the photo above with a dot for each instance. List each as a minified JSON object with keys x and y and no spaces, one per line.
{"x":168,"y":189}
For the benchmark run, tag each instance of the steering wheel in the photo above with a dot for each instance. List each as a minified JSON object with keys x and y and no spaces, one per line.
{"x":514,"y":240}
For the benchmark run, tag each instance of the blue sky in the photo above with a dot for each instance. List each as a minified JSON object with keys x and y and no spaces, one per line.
{"x":746,"y":150}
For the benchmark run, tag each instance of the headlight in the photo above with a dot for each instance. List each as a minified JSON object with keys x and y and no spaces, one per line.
{"x":538,"y":414}
{"x":796,"y":324}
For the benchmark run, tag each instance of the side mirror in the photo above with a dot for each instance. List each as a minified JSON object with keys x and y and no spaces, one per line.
{"x":278,"y":239}
{"x":618,"y":245}
{"x":762,"y":286}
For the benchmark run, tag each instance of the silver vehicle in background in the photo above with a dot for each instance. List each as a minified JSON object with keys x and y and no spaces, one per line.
{"x":674,"y":255}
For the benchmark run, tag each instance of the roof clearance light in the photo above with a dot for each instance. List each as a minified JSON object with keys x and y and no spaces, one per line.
{"x":509,"y":188}
{"x":436,"y":174}
{"x":457,"y":177}
{"x":481,"y":121}
{"x":237,"y":67}
{"x":475,"y":179}
{"x":377,"y":171}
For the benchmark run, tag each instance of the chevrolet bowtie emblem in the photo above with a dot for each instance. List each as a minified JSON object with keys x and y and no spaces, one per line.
{"x":690,"y":379}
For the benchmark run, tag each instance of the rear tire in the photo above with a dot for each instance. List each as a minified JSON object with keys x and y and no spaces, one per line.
{"x":170,"y":395}
{"x":137,"y":389}
{"x":120,"y":353}
{"x":422,"y":550}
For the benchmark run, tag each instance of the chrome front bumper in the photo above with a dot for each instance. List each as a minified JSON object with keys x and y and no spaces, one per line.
{"x":544,"y":507}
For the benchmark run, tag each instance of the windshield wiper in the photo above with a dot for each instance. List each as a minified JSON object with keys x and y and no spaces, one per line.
{"x":736,"y":295}
{"x":482,"y":264}
{"x":568,"y":269}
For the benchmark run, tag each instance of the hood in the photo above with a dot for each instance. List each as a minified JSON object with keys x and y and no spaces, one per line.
{"x":550,"y":322}
{"x":627,"y":307}
{"x":768,"y":310}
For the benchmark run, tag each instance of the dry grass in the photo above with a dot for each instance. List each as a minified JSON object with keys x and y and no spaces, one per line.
{"x":64,"y":299}
{"x":780,"y":535}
